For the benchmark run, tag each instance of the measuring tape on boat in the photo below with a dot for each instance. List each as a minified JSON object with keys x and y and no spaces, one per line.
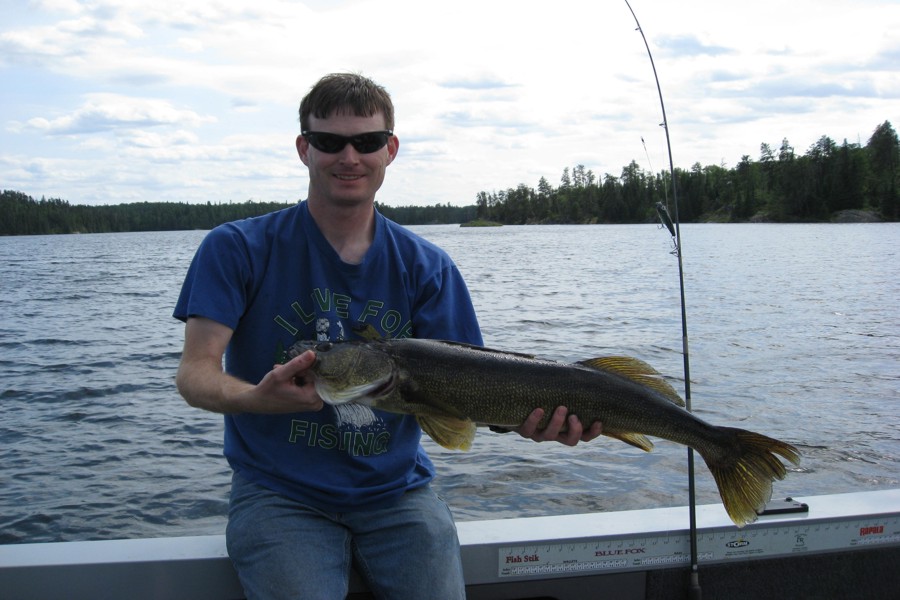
{"x":667,"y":550}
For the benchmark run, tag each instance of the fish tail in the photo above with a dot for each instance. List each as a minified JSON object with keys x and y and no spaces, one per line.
{"x":746,"y":472}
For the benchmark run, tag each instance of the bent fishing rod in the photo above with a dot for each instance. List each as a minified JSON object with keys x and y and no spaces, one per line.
{"x":675,"y":230}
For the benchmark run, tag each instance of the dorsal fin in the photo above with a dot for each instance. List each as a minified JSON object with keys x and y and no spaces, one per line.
{"x":636,"y":370}
{"x":367,"y":332}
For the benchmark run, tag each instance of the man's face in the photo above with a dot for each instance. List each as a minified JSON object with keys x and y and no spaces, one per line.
{"x":347,"y":177}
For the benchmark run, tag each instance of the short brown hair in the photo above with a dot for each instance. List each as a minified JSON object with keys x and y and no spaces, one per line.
{"x":350,"y":92}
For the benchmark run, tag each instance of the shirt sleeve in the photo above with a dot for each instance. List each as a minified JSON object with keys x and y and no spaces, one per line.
{"x":445,"y":310}
{"x":218,"y":280}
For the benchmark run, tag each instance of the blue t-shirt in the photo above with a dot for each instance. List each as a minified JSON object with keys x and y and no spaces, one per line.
{"x":274,"y":280}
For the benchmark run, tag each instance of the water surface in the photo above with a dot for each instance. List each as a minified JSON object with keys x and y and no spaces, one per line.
{"x":794,"y":332}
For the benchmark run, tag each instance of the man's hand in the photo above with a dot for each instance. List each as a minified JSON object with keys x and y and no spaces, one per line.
{"x":551,"y":433}
{"x":290,"y":387}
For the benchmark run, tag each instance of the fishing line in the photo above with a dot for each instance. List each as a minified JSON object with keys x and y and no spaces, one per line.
{"x":662,"y":209}
{"x":665,"y":187}
{"x":675,"y":230}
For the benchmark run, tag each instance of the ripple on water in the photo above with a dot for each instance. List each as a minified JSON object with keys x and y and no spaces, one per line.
{"x":793,"y":333}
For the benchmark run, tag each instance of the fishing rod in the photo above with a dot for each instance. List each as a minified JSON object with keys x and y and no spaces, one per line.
{"x":675,"y":230}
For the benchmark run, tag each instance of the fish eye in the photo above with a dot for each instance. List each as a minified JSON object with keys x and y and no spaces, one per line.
{"x":324,"y":347}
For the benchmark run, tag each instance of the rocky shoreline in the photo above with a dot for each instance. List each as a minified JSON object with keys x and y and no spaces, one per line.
{"x":856,"y":216}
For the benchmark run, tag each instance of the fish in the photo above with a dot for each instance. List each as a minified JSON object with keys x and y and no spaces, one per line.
{"x":452,"y":388}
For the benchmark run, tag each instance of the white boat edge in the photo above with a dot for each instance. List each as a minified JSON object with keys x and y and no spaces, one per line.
{"x":499,"y":556}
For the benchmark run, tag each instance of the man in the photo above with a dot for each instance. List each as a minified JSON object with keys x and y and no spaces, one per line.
{"x":310,"y":496}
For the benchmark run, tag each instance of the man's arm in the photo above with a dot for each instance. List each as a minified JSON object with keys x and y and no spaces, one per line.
{"x":203,"y":383}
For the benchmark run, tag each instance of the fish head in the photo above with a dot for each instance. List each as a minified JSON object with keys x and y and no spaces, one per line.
{"x":349,"y":371}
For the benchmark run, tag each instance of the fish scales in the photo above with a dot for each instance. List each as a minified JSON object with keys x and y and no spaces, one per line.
{"x":497,"y":388}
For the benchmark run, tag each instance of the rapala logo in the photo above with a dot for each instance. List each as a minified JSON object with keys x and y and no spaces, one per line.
{"x":737,"y":543}
{"x":874,"y":529}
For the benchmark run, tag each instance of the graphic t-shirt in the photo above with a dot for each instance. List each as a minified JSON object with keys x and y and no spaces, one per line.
{"x":275,"y":280}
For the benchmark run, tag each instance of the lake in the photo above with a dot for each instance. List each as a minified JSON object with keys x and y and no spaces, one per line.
{"x":794,"y":332}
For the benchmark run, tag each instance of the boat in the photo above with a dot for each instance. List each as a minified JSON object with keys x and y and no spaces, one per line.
{"x":830,"y":546}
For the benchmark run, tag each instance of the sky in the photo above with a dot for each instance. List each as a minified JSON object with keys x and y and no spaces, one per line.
{"x":114,"y":101}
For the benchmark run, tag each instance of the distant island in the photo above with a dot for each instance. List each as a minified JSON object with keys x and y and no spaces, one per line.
{"x":829,"y":183}
{"x":481,"y":223}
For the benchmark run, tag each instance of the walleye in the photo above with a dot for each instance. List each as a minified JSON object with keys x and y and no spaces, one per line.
{"x":451,"y":388}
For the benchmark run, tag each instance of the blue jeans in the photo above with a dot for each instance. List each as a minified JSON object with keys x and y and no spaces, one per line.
{"x":284,"y":549}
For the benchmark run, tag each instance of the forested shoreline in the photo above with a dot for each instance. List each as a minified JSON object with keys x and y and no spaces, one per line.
{"x":21,"y":214}
{"x":781,"y":186}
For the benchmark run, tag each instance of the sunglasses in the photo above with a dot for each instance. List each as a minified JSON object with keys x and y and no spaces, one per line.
{"x":332,"y":143}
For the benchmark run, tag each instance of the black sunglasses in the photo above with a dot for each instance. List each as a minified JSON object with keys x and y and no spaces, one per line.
{"x":332,"y":143}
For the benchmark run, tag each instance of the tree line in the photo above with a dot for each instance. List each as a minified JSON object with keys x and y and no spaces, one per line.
{"x":428,"y":215}
{"x":21,"y":214}
{"x":781,"y":186}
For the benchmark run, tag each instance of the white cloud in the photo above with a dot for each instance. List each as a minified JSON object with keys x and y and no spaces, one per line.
{"x":107,"y":112}
{"x":191,"y":45}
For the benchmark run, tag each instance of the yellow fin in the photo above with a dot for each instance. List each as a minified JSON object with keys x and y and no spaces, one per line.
{"x":638,"y":440}
{"x":367,"y":332}
{"x":453,"y":434}
{"x":636,"y":370}
{"x":745,"y":476}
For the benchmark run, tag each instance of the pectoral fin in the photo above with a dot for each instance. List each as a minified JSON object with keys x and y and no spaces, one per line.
{"x":453,"y":434}
{"x":636,"y":370}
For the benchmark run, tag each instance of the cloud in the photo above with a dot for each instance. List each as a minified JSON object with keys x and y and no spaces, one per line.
{"x":479,"y":83}
{"x":689,"y":45}
{"x":487,"y":118}
{"x":886,"y":59}
{"x":153,"y":139}
{"x":34,"y":48}
{"x":122,"y":99}
{"x":107,"y":112}
{"x":793,"y":88}
{"x":67,"y":41}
